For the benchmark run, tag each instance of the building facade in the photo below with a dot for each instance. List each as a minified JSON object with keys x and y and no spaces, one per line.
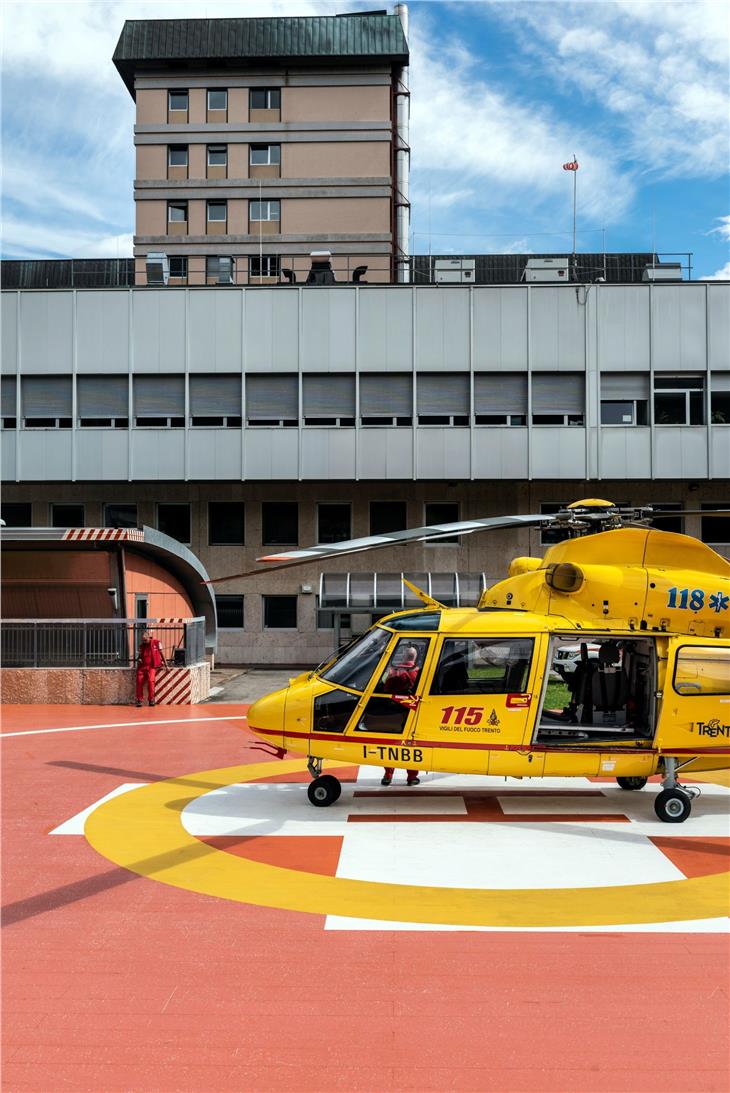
{"x":246,"y":420}
{"x":259,"y":141}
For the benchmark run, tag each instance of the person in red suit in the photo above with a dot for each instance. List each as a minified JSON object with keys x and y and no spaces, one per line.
{"x":149,"y":660}
{"x":401,"y":680}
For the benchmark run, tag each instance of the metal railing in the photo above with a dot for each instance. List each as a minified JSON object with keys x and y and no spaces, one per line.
{"x":96,"y":643}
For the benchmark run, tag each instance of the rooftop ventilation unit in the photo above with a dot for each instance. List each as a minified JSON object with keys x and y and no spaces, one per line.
{"x":459,"y":271}
{"x":663,"y":271}
{"x":158,"y":269}
{"x":547,"y":269}
{"x":321,"y":271}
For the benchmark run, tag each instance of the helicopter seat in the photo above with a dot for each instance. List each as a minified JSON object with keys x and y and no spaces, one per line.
{"x":609,"y":686}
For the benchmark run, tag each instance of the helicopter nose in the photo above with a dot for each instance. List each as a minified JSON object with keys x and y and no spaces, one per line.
{"x":266,"y":717}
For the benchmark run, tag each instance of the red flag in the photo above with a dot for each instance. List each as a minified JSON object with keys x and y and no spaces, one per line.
{"x":571,"y":166}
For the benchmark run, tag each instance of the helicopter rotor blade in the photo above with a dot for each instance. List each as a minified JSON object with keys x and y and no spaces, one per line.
{"x":290,"y":558}
{"x":659,"y":513}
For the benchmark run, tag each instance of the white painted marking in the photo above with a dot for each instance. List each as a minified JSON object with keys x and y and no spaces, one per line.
{"x":695,"y":926}
{"x":75,"y":826}
{"x":126,"y":725}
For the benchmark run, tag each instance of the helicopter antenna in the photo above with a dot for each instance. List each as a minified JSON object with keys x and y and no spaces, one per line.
{"x":424,"y":597}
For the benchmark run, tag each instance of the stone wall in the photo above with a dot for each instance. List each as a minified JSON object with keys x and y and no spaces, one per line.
{"x":89,"y":686}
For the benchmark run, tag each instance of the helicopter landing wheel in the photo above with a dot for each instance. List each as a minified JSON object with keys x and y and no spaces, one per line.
{"x":673,"y":806}
{"x":324,"y":791}
{"x":631,"y":783}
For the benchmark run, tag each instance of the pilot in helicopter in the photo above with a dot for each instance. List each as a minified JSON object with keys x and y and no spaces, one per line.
{"x":402,"y":679}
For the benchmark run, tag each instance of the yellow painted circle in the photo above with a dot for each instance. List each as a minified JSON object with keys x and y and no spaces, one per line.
{"x":142,"y":831}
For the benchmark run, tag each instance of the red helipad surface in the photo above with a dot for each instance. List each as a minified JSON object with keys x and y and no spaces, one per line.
{"x":152,"y":977}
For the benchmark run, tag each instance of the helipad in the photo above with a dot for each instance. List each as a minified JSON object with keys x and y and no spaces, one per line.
{"x":179,"y":917}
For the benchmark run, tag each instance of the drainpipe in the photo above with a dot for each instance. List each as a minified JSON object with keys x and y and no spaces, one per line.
{"x":402,"y":160}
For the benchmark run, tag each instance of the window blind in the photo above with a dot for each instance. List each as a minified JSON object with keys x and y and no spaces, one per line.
{"x":7,"y":396}
{"x":386,"y":394}
{"x":558,"y":393}
{"x":720,"y":381}
{"x":624,"y":385}
{"x":215,"y":395}
{"x":329,"y":396}
{"x":441,"y":393}
{"x":500,"y":393}
{"x":46,"y":396}
{"x":102,"y":396}
{"x":272,"y":397}
{"x":159,"y":396}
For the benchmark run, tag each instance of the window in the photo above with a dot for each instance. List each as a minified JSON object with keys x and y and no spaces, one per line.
{"x":264,"y":265}
{"x":272,"y":400}
{"x":177,"y":100}
{"x":702,"y":670}
{"x":159,"y":401}
{"x":264,"y":155}
{"x":279,"y":523}
{"x":624,"y":398}
{"x":558,"y":398}
{"x":441,"y":512}
{"x":217,"y":212}
{"x":229,"y":610}
{"x":333,"y":522}
{"x":215,"y":400}
{"x":402,"y":671}
{"x":8,"y":388}
{"x":46,"y":402}
{"x":471,"y":666}
{"x":174,"y":520}
{"x":177,"y":155}
{"x":219,"y":270}
{"x":668,"y":523}
{"x":218,"y":155}
{"x":333,"y":711}
{"x":443,"y":399}
{"x":386,"y":398}
{"x":265,"y":98}
{"x":716,"y":529}
{"x":387,"y":516}
{"x":500,"y":398}
{"x":355,"y":666}
{"x":226,"y":523}
{"x":264,"y":210}
{"x":326,"y":619}
{"x":17,"y":514}
{"x":102,"y":402}
{"x":177,"y":212}
{"x":67,"y":516}
{"x":679,"y":400}
{"x":328,"y":399}
{"x":217,"y":100}
{"x":120,"y":515}
{"x":280,"y":612}
{"x":720,"y":398}
{"x":179,"y":268}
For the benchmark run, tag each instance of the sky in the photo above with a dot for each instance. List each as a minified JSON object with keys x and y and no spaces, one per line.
{"x":504,"y":92}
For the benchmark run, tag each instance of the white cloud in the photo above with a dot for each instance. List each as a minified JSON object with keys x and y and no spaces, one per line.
{"x":721,"y":275}
{"x":723,"y":228}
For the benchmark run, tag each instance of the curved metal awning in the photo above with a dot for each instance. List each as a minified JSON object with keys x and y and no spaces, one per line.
{"x":386,"y":592}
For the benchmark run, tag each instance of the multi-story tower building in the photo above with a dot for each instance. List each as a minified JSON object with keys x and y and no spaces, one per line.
{"x":261,"y":140}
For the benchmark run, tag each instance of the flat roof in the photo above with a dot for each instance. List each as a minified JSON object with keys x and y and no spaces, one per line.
{"x":245,"y":43}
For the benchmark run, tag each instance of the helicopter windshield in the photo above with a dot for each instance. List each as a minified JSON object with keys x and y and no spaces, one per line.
{"x":355,"y":667}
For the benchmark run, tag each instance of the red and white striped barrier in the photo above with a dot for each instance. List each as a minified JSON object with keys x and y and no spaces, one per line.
{"x":103,"y":535}
{"x":174,"y":687}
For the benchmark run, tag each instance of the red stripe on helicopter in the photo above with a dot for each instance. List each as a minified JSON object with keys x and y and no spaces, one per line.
{"x":459,"y":744}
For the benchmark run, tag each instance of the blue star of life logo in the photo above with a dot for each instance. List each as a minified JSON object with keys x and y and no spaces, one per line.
{"x":719,"y":602}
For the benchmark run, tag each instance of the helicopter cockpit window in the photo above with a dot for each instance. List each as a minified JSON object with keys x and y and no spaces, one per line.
{"x":355,"y":667}
{"x":400,"y":679}
{"x":483,"y":666}
{"x":333,"y":710}
{"x":424,"y":620}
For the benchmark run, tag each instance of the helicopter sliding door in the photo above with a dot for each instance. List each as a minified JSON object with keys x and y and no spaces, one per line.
{"x":385,"y":720}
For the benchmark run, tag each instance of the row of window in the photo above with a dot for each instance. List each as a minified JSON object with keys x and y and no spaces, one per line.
{"x":216,"y":212}
{"x":280,"y":519}
{"x":277,"y":613}
{"x":227,"y":519}
{"x":259,"y":98}
{"x":221,"y":269}
{"x":259,"y":155}
{"x":326,"y":399}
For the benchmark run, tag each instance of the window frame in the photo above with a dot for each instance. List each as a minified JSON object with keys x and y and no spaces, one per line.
{"x":175,"y":504}
{"x":403,"y":524}
{"x":216,"y":203}
{"x":268,"y":162}
{"x":329,"y":504}
{"x":226,"y":542}
{"x":183,"y":258}
{"x":699,"y":388}
{"x":269,"y":202}
{"x":216,"y":149}
{"x":106,"y":505}
{"x":238,"y":596}
{"x":452,"y":540}
{"x":268,"y":92}
{"x":180,"y":206}
{"x":178,"y":148}
{"x":217,"y":258}
{"x":67,"y":504}
{"x":264,"y":258}
{"x":266,"y":599}
{"x":216,"y":109}
{"x":634,"y":423}
{"x":178,"y":109}
{"x":278,"y":542}
{"x":496,"y":640}
{"x":17,"y":504}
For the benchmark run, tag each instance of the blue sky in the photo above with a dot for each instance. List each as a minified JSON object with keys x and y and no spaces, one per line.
{"x":503,"y":94}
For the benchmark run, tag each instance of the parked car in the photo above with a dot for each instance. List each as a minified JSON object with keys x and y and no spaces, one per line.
{"x":569,"y":656}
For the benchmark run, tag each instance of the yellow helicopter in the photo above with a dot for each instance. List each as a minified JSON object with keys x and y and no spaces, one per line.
{"x":609,"y":657}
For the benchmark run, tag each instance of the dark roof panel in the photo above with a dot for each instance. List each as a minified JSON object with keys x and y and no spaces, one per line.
{"x":145,"y":42}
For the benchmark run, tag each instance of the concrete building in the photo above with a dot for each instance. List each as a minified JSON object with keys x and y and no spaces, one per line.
{"x":245,"y":420}
{"x":261,"y":140}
